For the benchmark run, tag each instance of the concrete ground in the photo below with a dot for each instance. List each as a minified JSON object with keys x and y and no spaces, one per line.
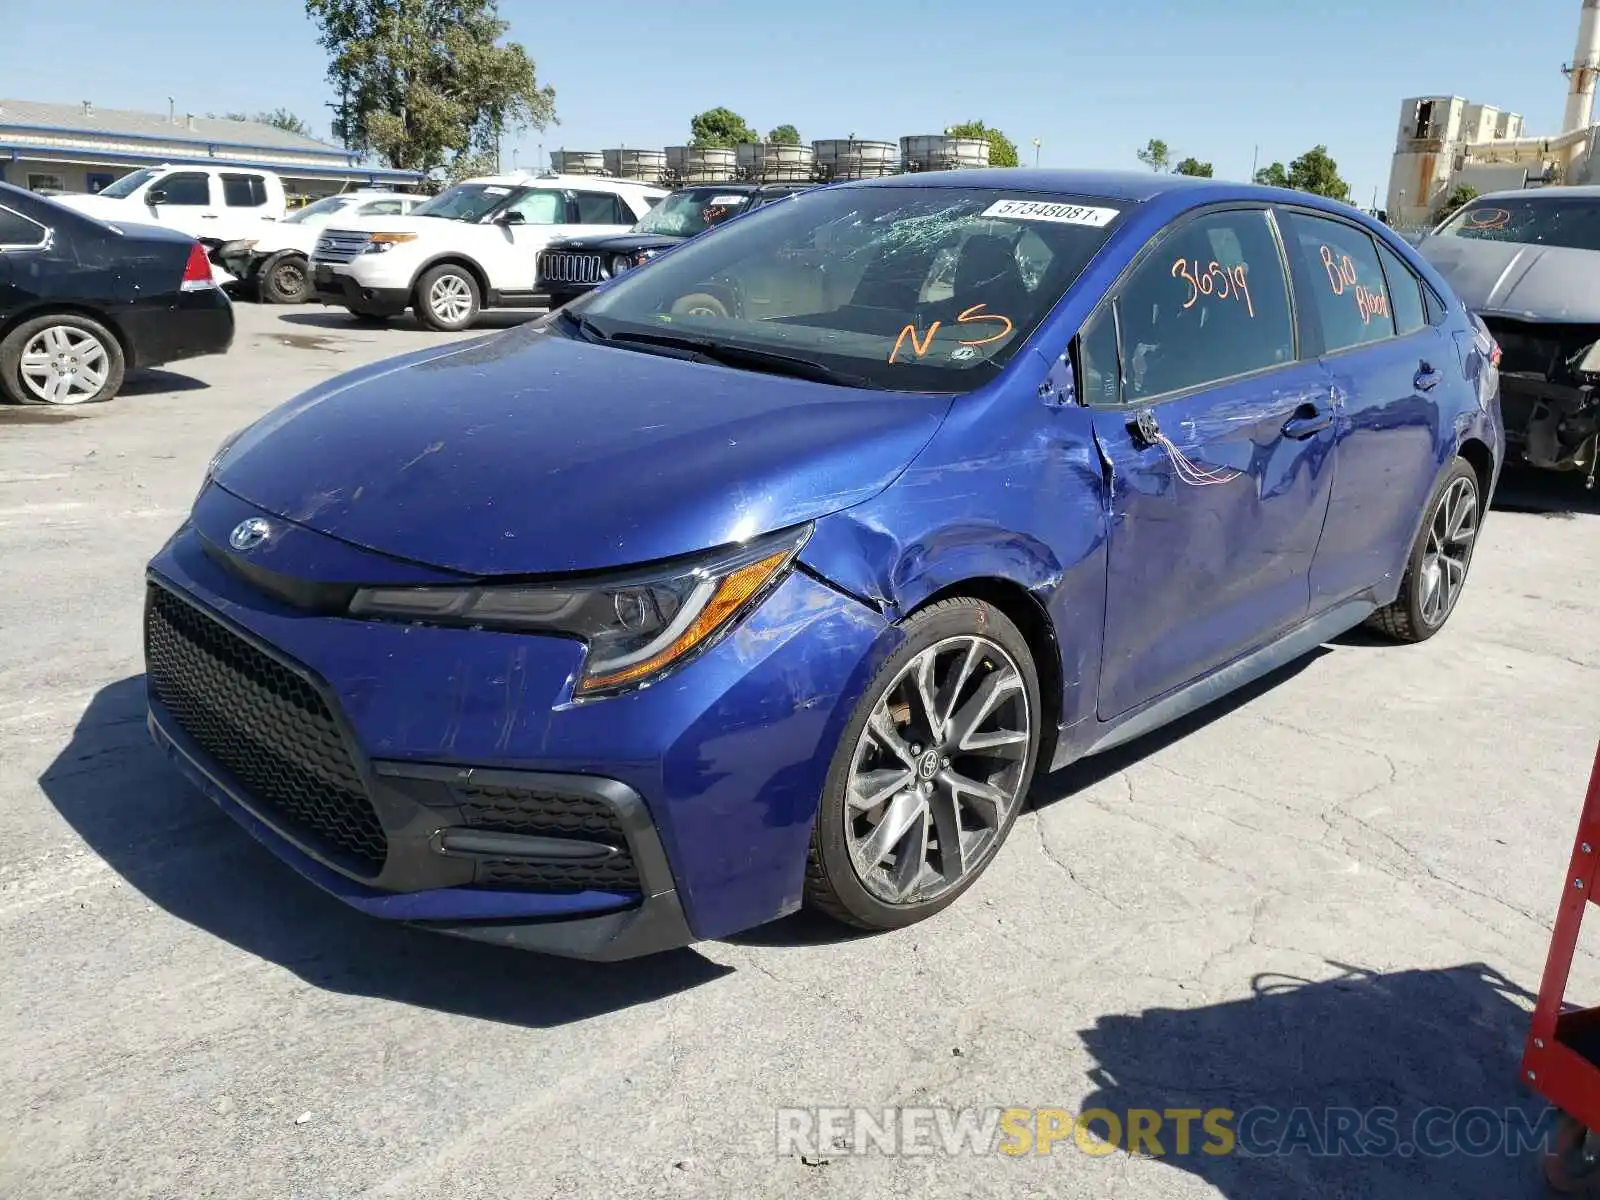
{"x":1334,"y":891}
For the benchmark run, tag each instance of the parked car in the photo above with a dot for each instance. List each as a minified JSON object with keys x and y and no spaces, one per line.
{"x":274,"y":262}
{"x":572,"y":266}
{"x":634,"y":625}
{"x":1528,"y":263}
{"x":83,"y":301}
{"x":474,"y":246}
{"x":213,"y":204}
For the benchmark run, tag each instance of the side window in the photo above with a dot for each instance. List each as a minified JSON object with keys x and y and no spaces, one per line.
{"x":540,"y":208}
{"x":601,"y":208}
{"x":1405,"y":292}
{"x":1338,"y":265}
{"x":192,"y":188}
{"x":382,"y":208}
{"x":17,"y":231}
{"x":1099,"y":376}
{"x":1208,"y":303}
{"x":243,"y":191}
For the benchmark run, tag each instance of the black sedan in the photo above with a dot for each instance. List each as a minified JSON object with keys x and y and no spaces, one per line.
{"x":83,"y":301}
{"x":572,"y":266}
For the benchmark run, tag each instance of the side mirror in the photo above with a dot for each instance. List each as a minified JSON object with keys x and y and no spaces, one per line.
{"x":155,"y":196}
{"x":511,"y":218}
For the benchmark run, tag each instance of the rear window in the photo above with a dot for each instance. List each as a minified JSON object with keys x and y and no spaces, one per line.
{"x":1569,"y":221}
{"x":243,"y":191}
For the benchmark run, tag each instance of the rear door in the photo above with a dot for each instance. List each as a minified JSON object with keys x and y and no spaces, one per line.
{"x":1391,"y":371}
{"x":1217,"y":435}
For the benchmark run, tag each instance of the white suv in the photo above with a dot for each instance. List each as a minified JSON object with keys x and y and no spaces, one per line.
{"x":472,"y":247}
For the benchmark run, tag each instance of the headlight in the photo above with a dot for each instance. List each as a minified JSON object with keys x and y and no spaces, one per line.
{"x":382,"y":243}
{"x":218,"y":456}
{"x":637,"y":626}
{"x":621,"y":263}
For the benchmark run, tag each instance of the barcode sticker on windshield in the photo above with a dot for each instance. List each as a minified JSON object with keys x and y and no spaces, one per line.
{"x":1039,"y":210}
{"x":496,"y":191}
{"x":715,"y":200}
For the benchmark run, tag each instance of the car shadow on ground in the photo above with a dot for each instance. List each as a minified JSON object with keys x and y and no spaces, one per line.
{"x":1399,"y":1085}
{"x":487,"y":322}
{"x":1559,"y":494}
{"x":123,"y":797}
{"x":150,"y":380}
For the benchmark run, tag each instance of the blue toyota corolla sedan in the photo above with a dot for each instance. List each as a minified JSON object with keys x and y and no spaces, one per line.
{"x":771,"y":572}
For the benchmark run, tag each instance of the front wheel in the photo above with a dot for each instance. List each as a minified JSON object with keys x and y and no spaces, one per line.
{"x":1437,"y":569}
{"x":65,"y":359}
{"x":286,"y":279}
{"x":930,"y":772}
{"x":447,"y":299}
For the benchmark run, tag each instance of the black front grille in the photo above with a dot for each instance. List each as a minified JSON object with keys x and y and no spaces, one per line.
{"x":264,"y":725}
{"x":561,"y":267}
{"x":554,"y":815}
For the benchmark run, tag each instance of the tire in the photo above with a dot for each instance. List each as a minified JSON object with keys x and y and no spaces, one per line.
{"x":871,"y":761}
{"x":1571,"y":1167}
{"x":447,"y":299}
{"x":63,"y":359}
{"x":285,"y":279}
{"x":699,"y":304}
{"x":1440,"y":556}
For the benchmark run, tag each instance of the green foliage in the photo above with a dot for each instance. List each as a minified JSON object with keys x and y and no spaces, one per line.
{"x":1156,"y":155}
{"x":1002,"y":150}
{"x":1312,"y":172}
{"x":1193,"y":166}
{"x":784,"y":135}
{"x":720,"y":127}
{"x":423,"y":83}
{"x":278,"y":118}
{"x":1460,"y":196}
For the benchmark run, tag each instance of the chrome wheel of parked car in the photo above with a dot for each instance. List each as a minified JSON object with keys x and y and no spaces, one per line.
{"x":1436,"y":572}
{"x":447,"y":299}
{"x":63,"y":360}
{"x":932,"y":770}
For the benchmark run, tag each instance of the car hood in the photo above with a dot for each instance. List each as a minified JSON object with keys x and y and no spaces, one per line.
{"x":617,"y":243}
{"x":409,"y":224}
{"x":528,"y":453}
{"x":1508,"y":279}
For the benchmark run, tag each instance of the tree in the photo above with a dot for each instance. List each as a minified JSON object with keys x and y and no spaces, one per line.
{"x":1002,"y":150}
{"x":278,"y":118}
{"x":784,"y":135}
{"x":1315,"y":172}
{"x":1273,"y":176}
{"x":422,"y":83}
{"x":1460,"y":196}
{"x":720,"y":127}
{"x":1193,"y":166}
{"x":1156,"y":155}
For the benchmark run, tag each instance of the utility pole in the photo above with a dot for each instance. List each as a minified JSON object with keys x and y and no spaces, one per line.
{"x":1036,"y":144}
{"x":1255,"y":157}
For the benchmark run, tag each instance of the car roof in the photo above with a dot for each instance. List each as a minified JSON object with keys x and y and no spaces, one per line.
{"x":1136,"y":186}
{"x":535,"y":179}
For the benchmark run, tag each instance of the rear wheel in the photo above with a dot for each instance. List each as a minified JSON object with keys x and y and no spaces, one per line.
{"x":930,"y":772}
{"x":64,"y":359}
{"x":286,"y":279}
{"x":699,"y":304}
{"x":447,"y":299}
{"x":1437,"y":569}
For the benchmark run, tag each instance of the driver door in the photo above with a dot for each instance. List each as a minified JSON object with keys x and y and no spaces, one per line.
{"x":524,"y":225}
{"x":1218,"y":443}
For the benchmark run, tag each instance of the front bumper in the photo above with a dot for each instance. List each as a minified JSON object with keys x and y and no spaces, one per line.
{"x":330,"y":285}
{"x":706,"y":785}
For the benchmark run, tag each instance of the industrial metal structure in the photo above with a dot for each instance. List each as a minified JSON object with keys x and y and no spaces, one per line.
{"x":1447,"y":141}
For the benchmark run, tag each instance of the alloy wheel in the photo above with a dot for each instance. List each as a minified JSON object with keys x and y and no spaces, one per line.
{"x":1451,"y":534}
{"x":937,"y":771}
{"x":450,"y":298}
{"x":64,"y":365}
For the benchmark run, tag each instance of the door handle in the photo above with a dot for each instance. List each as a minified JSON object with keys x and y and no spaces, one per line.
{"x":1427,"y":378}
{"x":1308,"y":420}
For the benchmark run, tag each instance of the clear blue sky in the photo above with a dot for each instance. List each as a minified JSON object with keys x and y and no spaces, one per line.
{"x":1093,"y":79}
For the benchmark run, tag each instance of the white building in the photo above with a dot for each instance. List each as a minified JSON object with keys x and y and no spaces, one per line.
{"x":81,"y":148}
{"x":1447,"y":141}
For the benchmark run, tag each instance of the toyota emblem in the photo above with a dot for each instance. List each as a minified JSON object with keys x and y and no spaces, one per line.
{"x":247,"y":535}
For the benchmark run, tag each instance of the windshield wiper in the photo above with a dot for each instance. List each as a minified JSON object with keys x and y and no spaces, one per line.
{"x":587,"y":329}
{"x":771,"y":361}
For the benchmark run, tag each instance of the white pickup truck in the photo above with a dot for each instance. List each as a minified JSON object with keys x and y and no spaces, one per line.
{"x":211,"y":204}
{"x":472,"y":247}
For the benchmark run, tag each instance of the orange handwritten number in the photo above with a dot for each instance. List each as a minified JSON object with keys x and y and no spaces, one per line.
{"x":1242,"y":285}
{"x":972,"y":314}
{"x":1180,"y":270}
{"x":917,"y":348}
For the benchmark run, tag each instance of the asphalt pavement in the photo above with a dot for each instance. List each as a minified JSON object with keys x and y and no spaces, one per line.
{"x":1330,"y":893}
